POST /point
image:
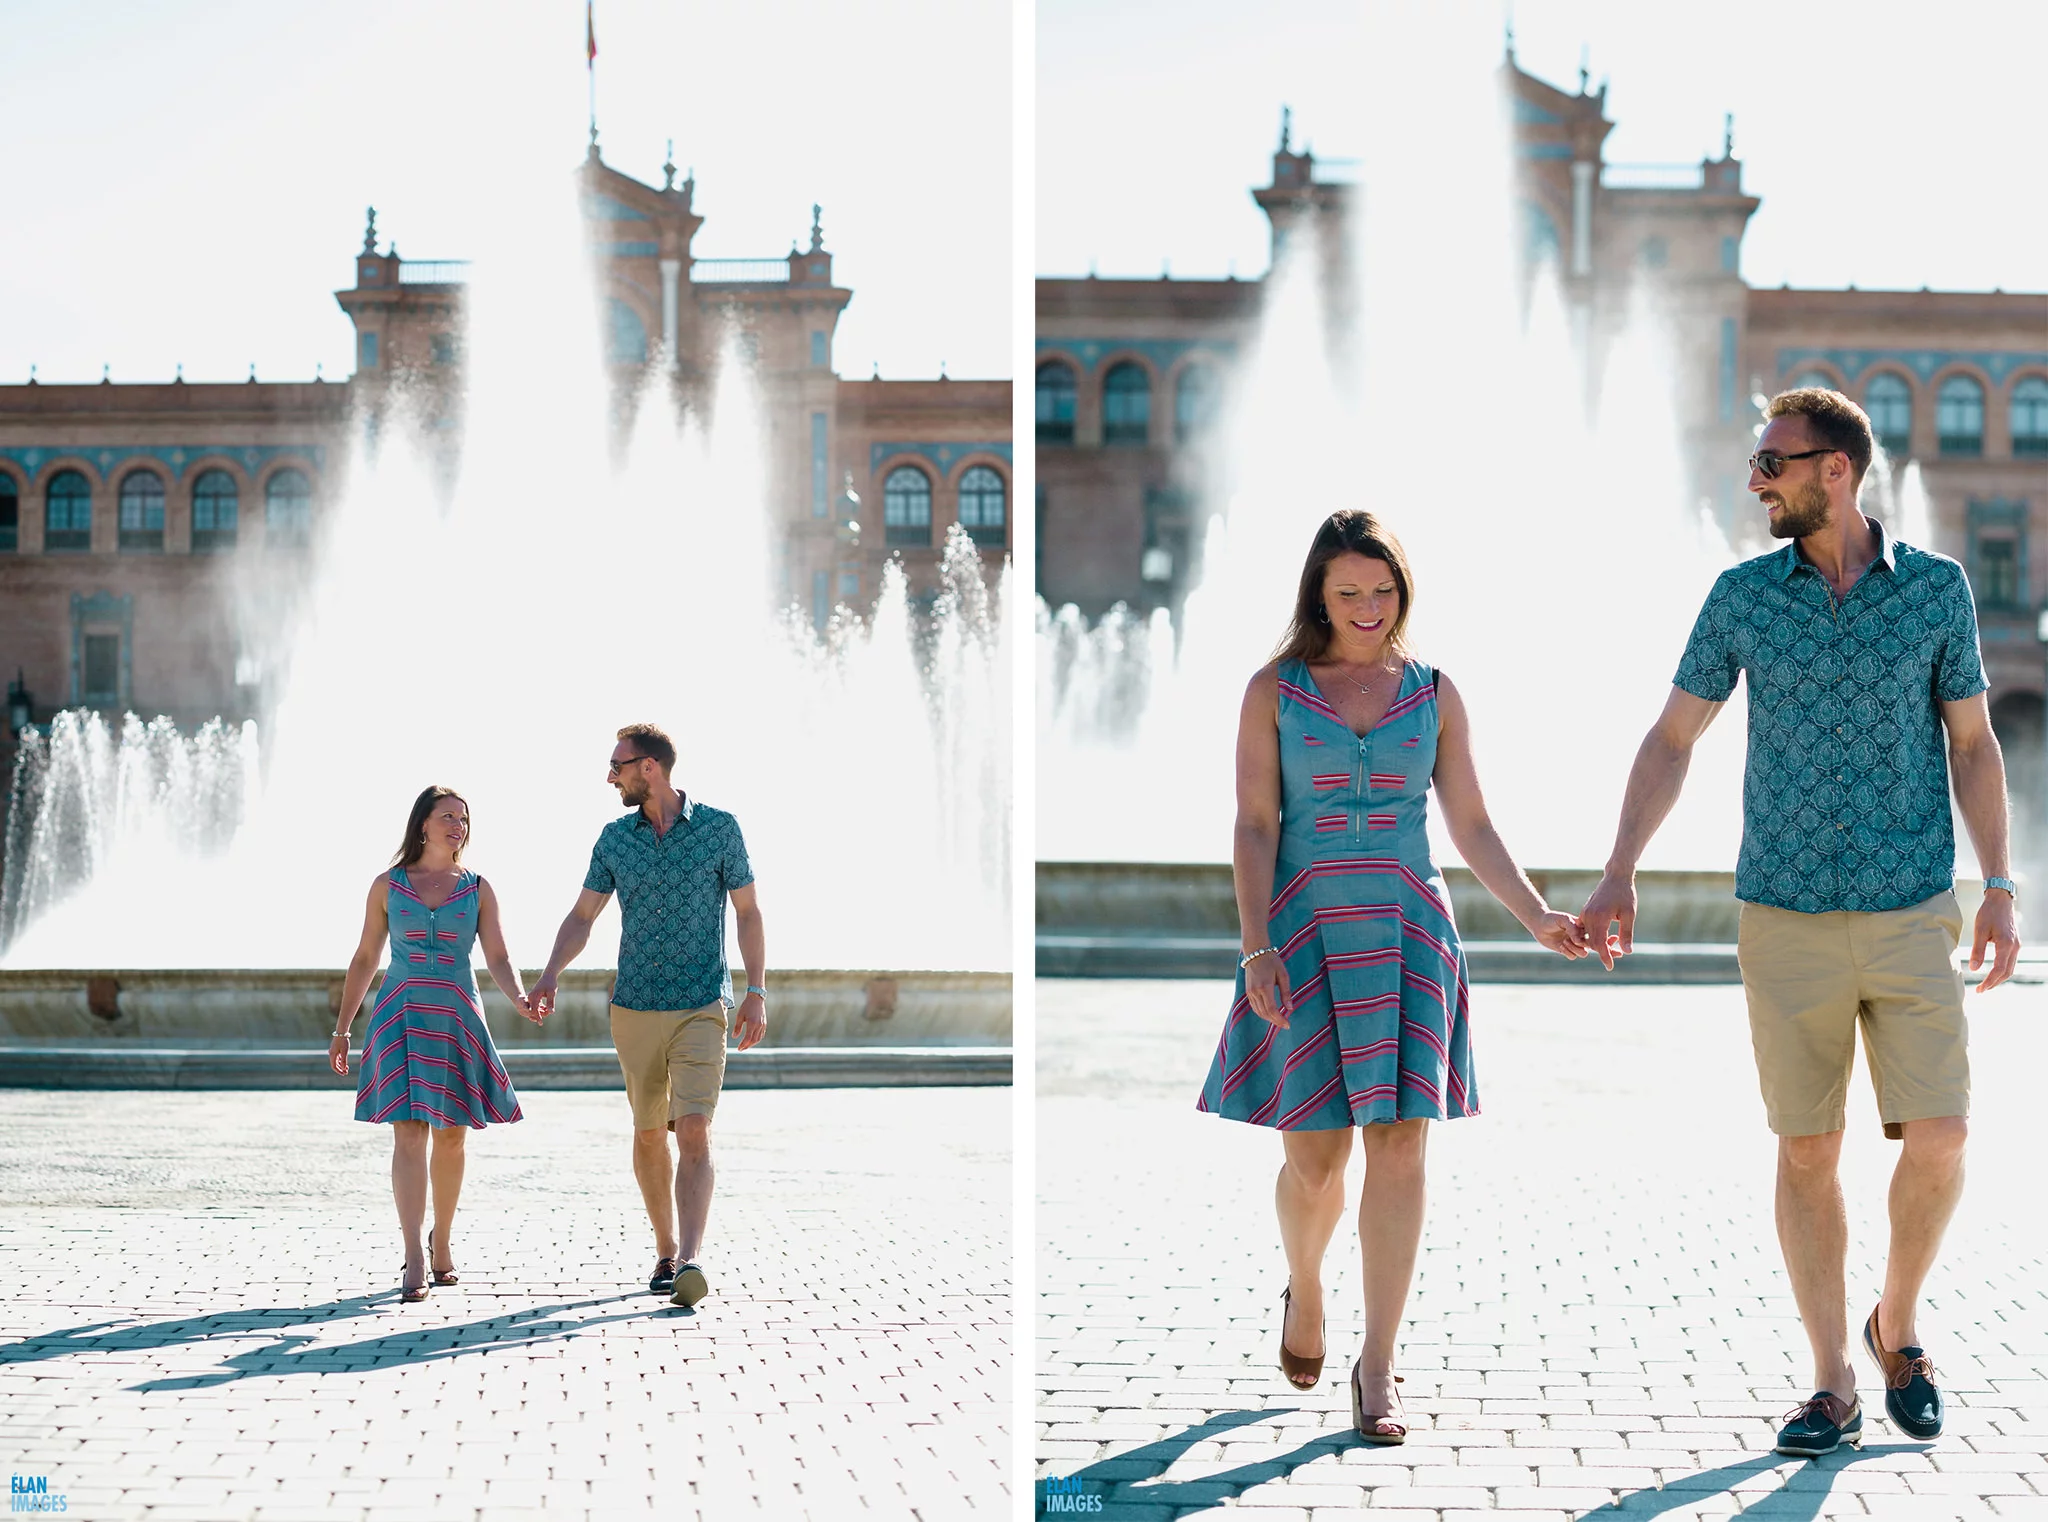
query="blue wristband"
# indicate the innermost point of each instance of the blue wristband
(755, 988)
(2002, 882)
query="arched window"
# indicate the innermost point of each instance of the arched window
(1889, 401)
(67, 512)
(2030, 416)
(1959, 416)
(1127, 405)
(907, 507)
(1056, 403)
(627, 340)
(1820, 378)
(1196, 397)
(216, 512)
(288, 508)
(10, 515)
(982, 506)
(142, 511)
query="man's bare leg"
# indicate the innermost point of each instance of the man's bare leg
(1813, 1232)
(1927, 1184)
(694, 1178)
(654, 1171)
(1309, 1199)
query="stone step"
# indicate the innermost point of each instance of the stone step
(116, 1065)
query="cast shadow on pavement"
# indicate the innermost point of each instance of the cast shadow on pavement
(283, 1356)
(1808, 1484)
(1210, 1490)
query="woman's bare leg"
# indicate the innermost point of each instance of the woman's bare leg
(1309, 1199)
(409, 1191)
(446, 1169)
(1390, 1210)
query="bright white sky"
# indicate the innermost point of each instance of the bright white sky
(1894, 143)
(185, 182)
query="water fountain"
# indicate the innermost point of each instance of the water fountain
(492, 636)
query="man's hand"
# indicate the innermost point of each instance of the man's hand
(1997, 927)
(753, 1021)
(1613, 902)
(541, 999)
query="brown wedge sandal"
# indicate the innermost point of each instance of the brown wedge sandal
(1387, 1430)
(1302, 1373)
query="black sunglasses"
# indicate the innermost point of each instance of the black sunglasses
(1770, 464)
(615, 766)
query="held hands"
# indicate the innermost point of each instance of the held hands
(1267, 987)
(524, 1004)
(337, 1053)
(1997, 927)
(753, 1021)
(1612, 907)
(1557, 931)
(540, 1000)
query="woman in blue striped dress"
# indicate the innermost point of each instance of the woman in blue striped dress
(429, 1066)
(1351, 1004)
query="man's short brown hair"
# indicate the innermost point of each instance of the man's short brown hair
(652, 742)
(1836, 422)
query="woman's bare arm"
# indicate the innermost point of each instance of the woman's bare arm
(490, 935)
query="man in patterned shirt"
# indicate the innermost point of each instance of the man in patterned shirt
(673, 862)
(1859, 652)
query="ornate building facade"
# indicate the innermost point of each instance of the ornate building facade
(153, 536)
(1128, 372)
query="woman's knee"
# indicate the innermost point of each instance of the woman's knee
(450, 1138)
(409, 1135)
(1317, 1166)
(1399, 1147)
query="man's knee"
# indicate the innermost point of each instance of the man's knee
(1935, 1143)
(693, 1137)
(1809, 1158)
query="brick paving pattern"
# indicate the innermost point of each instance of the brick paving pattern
(1601, 1325)
(202, 1318)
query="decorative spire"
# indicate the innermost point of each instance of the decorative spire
(1728, 137)
(817, 228)
(1287, 129)
(1585, 74)
(1511, 37)
(370, 232)
(668, 167)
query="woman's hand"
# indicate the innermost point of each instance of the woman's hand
(524, 1004)
(1559, 932)
(1265, 984)
(337, 1053)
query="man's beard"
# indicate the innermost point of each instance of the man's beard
(633, 797)
(1803, 513)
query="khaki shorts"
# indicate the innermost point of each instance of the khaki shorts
(673, 1059)
(1811, 977)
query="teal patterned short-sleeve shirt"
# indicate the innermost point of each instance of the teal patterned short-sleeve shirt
(1845, 796)
(671, 904)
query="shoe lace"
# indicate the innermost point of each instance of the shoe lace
(1903, 1375)
(1831, 1409)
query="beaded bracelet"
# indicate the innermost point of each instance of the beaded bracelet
(1263, 951)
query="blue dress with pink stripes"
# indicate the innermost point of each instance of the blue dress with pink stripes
(427, 1054)
(1379, 1029)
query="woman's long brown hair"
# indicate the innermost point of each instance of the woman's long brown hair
(416, 827)
(1349, 530)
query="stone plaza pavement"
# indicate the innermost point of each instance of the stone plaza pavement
(1601, 1326)
(202, 1317)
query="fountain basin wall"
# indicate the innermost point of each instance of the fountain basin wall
(1179, 920)
(265, 1008)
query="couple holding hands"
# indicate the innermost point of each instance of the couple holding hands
(430, 1068)
(1866, 690)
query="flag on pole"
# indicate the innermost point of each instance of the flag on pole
(590, 30)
